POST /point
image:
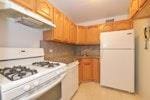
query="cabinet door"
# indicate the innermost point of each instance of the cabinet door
(96, 70)
(134, 7)
(92, 36)
(66, 29)
(141, 2)
(30, 4)
(81, 35)
(73, 32)
(106, 27)
(87, 74)
(44, 8)
(58, 21)
(122, 25)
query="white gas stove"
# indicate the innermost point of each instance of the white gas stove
(24, 75)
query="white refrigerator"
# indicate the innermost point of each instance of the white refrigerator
(117, 50)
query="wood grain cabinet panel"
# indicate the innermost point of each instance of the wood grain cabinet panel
(89, 70)
(122, 25)
(44, 8)
(30, 4)
(73, 33)
(139, 9)
(66, 29)
(106, 27)
(96, 70)
(93, 35)
(81, 35)
(141, 2)
(134, 7)
(55, 34)
(58, 21)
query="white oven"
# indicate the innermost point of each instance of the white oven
(24, 75)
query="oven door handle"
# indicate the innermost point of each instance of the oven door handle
(44, 90)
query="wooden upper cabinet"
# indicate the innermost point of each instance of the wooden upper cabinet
(55, 34)
(81, 35)
(144, 10)
(73, 33)
(141, 2)
(116, 26)
(122, 25)
(44, 8)
(93, 34)
(134, 7)
(66, 27)
(58, 21)
(30, 4)
(106, 27)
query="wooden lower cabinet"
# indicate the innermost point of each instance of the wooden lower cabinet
(96, 70)
(89, 70)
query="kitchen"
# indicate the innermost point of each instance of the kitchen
(77, 58)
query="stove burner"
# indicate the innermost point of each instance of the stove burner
(45, 64)
(17, 72)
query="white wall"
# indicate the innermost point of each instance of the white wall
(13, 34)
(100, 21)
(142, 60)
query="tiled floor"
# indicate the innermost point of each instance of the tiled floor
(93, 91)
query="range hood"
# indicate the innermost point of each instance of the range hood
(24, 16)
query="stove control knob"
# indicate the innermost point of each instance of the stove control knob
(36, 83)
(27, 88)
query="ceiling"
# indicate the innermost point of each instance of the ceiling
(87, 10)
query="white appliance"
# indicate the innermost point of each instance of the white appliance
(117, 60)
(70, 83)
(24, 75)
(23, 15)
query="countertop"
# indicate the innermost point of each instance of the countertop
(87, 57)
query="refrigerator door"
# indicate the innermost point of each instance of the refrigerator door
(117, 69)
(117, 40)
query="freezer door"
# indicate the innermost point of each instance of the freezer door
(117, 69)
(117, 40)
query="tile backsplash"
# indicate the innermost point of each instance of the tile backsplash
(88, 50)
(67, 53)
(58, 51)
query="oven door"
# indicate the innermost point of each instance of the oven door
(50, 90)
(52, 94)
